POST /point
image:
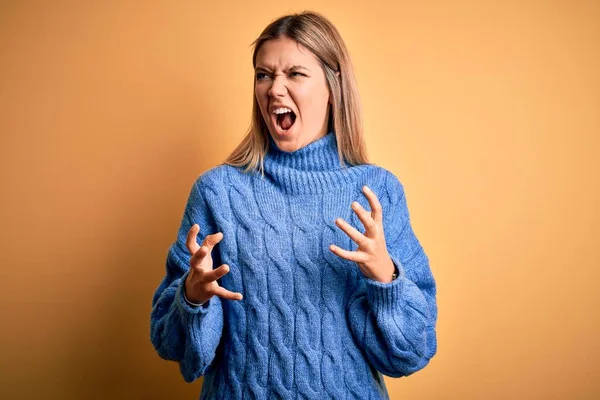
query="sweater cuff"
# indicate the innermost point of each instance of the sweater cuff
(385, 297)
(184, 305)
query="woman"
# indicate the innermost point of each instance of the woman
(320, 285)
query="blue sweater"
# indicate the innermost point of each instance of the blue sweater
(310, 324)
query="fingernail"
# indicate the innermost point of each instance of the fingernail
(366, 188)
(332, 247)
(354, 205)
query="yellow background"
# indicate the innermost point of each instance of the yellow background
(488, 112)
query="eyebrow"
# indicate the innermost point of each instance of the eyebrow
(293, 67)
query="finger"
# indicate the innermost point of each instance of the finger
(355, 256)
(226, 294)
(217, 273)
(212, 240)
(376, 211)
(352, 232)
(191, 242)
(198, 257)
(364, 216)
(207, 245)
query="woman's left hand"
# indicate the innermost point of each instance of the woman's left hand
(371, 256)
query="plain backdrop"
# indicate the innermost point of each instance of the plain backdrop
(487, 111)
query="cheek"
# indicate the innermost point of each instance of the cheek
(311, 99)
(316, 102)
(261, 98)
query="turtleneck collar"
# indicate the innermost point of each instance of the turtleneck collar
(313, 168)
(320, 155)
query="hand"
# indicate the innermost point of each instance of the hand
(371, 256)
(201, 283)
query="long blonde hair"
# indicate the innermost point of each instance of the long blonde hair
(317, 34)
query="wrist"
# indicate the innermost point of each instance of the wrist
(391, 273)
(188, 301)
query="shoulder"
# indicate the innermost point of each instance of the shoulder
(216, 178)
(385, 182)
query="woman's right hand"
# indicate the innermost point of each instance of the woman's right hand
(201, 283)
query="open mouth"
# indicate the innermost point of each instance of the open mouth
(285, 119)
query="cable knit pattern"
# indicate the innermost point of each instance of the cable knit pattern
(310, 326)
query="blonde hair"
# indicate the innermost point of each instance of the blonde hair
(318, 35)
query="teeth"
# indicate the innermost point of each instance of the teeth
(282, 110)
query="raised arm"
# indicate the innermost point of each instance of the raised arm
(179, 331)
(395, 322)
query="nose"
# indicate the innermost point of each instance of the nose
(278, 88)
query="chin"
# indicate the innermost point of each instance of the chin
(287, 141)
(286, 145)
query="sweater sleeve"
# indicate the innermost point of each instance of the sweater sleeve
(395, 322)
(180, 332)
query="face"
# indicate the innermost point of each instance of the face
(292, 93)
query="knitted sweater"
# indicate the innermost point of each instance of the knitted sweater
(310, 325)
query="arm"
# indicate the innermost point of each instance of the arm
(395, 322)
(178, 331)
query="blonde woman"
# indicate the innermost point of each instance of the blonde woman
(296, 273)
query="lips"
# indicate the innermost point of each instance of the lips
(283, 120)
(287, 119)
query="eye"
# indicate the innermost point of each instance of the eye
(296, 73)
(261, 76)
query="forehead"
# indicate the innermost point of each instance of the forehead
(284, 52)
